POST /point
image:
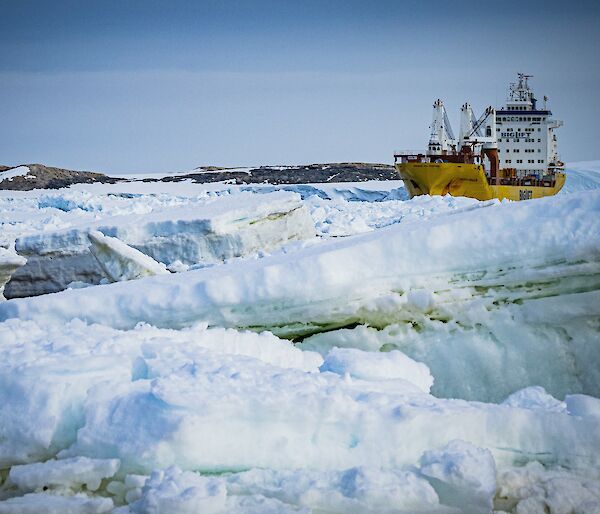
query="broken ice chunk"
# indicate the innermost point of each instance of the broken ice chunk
(69, 473)
(120, 261)
(37, 503)
(463, 475)
(583, 405)
(9, 263)
(535, 398)
(172, 490)
(378, 366)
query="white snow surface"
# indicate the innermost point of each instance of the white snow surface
(378, 366)
(68, 472)
(19, 171)
(218, 400)
(151, 396)
(41, 503)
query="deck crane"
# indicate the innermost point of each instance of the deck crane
(478, 136)
(441, 140)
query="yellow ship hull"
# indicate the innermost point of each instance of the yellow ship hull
(432, 178)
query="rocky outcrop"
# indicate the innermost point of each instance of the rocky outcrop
(301, 174)
(48, 177)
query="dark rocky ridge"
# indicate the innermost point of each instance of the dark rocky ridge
(48, 177)
(310, 173)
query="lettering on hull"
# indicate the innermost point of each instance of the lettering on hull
(524, 194)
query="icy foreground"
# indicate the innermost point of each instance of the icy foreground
(489, 285)
(189, 412)
(354, 432)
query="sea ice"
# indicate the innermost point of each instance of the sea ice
(47, 371)
(67, 473)
(359, 490)
(463, 475)
(220, 228)
(120, 261)
(42, 503)
(113, 415)
(517, 314)
(9, 263)
(378, 366)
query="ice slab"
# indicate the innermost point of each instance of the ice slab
(37, 503)
(377, 366)
(463, 475)
(360, 490)
(220, 228)
(67, 473)
(120, 261)
(9, 263)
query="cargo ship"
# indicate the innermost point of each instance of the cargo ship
(509, 153)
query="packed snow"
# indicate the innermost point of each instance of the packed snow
(326, 348)
(19, 171)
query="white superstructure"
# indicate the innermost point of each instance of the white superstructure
(526, 138)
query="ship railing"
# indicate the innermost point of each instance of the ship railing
(401, 156)
(410, 152)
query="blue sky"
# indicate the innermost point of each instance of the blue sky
(162, 86)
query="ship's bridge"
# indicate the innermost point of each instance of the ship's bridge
(526, 141)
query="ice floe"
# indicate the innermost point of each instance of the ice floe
(222, 228)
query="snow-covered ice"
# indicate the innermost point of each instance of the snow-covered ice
(71, 473)
(120, 261)
(219, 228)
(19, 171)
(446, 356)
(9, 263)
(460, 286)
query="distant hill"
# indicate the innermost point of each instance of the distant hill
(40, 176)
(299, 174)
